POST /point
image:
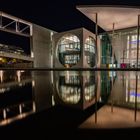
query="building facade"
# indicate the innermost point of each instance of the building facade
(117, 47)
(75, 49)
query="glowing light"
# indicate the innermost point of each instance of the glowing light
(34, 107)
(4, 113)
(53, 101)
(20, 109)
(32, 54)
(33, 83)
(1, 76)
(67, 76)
(19, 76)
(51, 35)
(3, 90)
(134, 94)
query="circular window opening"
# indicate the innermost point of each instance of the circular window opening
(68, 88)
(90, 51)
(69, 50)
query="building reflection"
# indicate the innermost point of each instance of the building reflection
(107, 82)
(23, 93)
(11, 79)
(16, 97)
(43, 90)
(16, 112)
(69, 87)
(76, 89)
(131, 93)
(122, 109)
(126, 90)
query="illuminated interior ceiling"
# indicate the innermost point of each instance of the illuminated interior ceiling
(123, 17)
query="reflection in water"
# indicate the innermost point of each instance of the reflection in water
(69, 87)
(113, 96)
(107, 82)
(126, 90)
(3, 90)
(16, 98)
(119, 118)
(10, 79)
(123, 102)
(89, 86)
(16, 112)
(1, 76)
(77, 89)
(19, 75)
(23, 93)
(133, 88)
(89, 92)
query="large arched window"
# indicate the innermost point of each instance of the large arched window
(90, 51)
(69, 50)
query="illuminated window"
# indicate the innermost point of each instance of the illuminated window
(90, 51)
(69, 50)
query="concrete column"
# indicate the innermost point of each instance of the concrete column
(42, 47)
(138, 33)
(130, 49)
(96, 35)
(113, 43)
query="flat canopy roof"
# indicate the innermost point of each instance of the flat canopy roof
(122, 17)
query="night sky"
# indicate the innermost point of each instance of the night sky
(58, 15)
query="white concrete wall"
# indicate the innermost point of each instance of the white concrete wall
(42, 47)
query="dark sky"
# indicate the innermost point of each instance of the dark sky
(58, 15)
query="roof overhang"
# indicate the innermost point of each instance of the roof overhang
(122, 17)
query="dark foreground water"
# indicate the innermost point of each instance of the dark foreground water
(72, 103)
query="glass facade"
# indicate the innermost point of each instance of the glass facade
(69, 50)
(130, 53)
(106, 49)
(90, 51)
(125, 48)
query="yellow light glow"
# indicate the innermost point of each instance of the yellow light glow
(1, 76)
(19, 76)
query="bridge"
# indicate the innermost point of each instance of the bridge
(21, 27)
(14, 25)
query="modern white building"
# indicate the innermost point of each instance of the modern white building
(117, 47)
(75, 48)
(121, 25)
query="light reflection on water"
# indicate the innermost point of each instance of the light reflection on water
(75, 89)
(23, 93)
(16, 97)
(122, 109)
